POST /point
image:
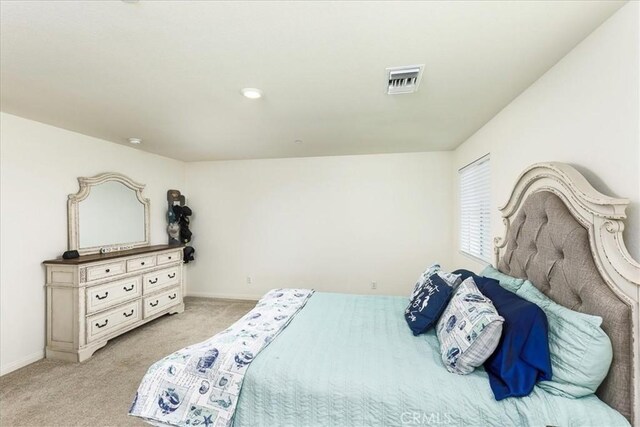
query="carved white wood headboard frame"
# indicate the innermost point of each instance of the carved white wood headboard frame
(603, 217)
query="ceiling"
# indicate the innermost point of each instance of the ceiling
(170, 72)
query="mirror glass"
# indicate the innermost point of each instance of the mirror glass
(110, 215)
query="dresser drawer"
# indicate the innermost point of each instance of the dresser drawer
(105, 270)
(160, 279)
(169, 257)
(141, 263)
(110, 294)
(113, 320)
(159, 302)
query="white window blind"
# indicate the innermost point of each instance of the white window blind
(475, 209)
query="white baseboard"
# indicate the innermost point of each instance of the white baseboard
(243, 297)
(13, 366)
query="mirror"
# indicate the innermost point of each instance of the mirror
(108, 213)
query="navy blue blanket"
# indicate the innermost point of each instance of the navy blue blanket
(522, 356)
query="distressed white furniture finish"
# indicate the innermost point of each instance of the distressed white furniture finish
(94, 298)
(86, 183)
(603, 217)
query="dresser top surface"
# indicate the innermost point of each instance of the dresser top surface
(84, 259)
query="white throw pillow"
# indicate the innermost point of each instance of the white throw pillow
(469, 329)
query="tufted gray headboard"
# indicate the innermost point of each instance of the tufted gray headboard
(552, 241)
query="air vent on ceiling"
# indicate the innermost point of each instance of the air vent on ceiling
(403, 79)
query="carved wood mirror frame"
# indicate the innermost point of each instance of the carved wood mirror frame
(86, 183)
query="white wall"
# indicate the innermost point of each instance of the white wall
(331, 223)
(39, 166)
(584, 111)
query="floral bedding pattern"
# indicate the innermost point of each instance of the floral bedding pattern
(200, 384)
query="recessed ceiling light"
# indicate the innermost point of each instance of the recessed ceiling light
(134, 140)
(251, 93)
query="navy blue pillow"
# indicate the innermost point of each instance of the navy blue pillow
(427, 305)
(522, 357)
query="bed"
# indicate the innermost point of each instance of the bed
(347, 360)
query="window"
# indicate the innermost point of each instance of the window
(475, 209)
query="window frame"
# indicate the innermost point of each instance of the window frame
(484, 214)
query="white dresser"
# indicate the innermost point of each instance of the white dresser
(94, 298)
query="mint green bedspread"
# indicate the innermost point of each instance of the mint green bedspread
(348, 360)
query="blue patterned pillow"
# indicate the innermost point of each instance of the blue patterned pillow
(522, 357)
(427, 304)
(451, 279)
(469, 329)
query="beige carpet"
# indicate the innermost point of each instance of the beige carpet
(98, 392)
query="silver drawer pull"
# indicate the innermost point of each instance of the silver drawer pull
(106, 294)
(128, 315)
(171, 276)
(129, 288)
(98, 325)
(152, 304)
(173, 297)
(153, 281)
